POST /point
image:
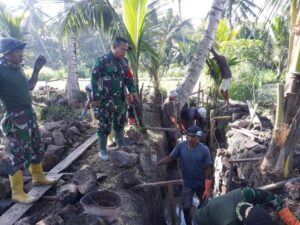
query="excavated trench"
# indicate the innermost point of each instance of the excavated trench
(145, 205)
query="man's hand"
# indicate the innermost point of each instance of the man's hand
(39, 63)
(206, 193)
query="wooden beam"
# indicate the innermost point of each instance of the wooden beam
(157, 184)
(223, 117)
(172, 204)
(244, 160)
(14, 213)
(160, 128)
(279, 184)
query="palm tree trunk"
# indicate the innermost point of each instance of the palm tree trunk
(186, 87)
(72, 88)
(289, 134)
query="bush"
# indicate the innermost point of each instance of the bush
(47, 73)
(248, 82)
(55, 113)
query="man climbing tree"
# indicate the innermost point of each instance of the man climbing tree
(225, 73)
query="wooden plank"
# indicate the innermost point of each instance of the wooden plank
(14, 213)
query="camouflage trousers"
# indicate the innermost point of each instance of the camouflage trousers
(110, 117)
(23, 139)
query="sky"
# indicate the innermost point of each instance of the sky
(191, 9)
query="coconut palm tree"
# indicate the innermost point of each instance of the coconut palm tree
(286, 134)
(188, 83)
(237, 10)
(11, 25)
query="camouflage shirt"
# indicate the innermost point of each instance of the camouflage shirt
(110, 77)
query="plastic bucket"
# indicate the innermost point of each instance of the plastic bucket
(101, 203)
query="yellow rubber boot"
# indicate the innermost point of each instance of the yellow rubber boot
(38, 176)
(17, 189)
(94, 121)
(110, 137)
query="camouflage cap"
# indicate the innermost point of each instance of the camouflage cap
(9, 44)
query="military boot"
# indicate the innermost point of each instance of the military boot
(102, 148)
(119, 136)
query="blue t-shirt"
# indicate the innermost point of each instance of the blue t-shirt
(193, 163)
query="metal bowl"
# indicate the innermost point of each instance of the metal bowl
(101, 203)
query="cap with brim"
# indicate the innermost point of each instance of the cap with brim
(9, 44)
(194, 131)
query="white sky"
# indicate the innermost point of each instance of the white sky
(191, 9)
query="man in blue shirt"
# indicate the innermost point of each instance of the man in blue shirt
(196, 164)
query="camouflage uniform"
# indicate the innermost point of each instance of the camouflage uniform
(19, 125)
(110, 77)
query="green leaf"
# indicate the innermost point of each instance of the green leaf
(134, 12)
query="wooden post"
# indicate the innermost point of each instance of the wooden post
(47, 89)
(172, 204)
(198, 95)
(212, 132)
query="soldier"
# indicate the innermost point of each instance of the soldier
(243, 206)
(19, 125)
(110, 77)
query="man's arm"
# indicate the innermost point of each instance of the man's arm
(208, 175)
(167, 159)
(268, 199)
(96, 74)
(129, 82)
(38, 65)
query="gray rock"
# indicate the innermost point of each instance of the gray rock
(59, 138)
(128, 179)
(52, 219)
(4, 164)
(50, 160)
(57, 150)
(86, 179)
(75, 130)
(100, 177)
(68, 194)
(87, 219)
(123, 159)
(50, 126)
